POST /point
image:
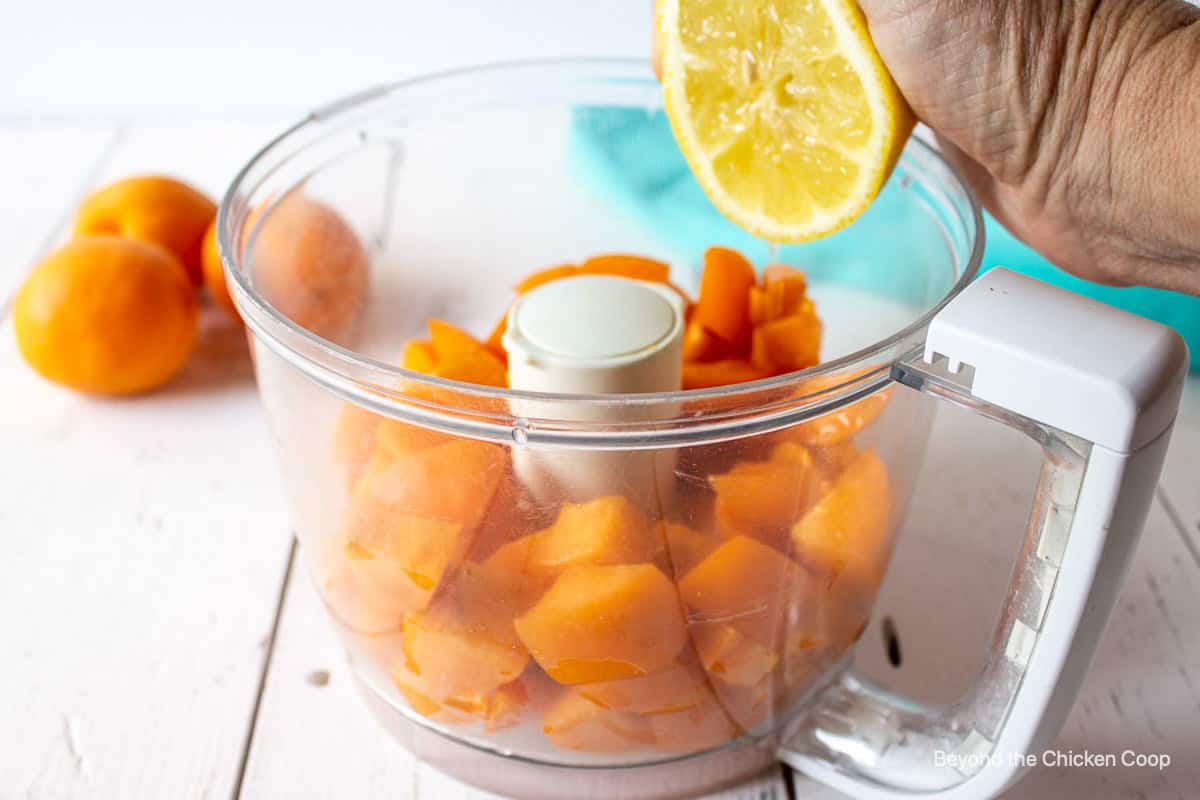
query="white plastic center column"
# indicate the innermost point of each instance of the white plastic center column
(595, 334)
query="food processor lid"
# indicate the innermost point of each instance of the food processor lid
(596, 334)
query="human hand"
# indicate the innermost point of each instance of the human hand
(1075, 122)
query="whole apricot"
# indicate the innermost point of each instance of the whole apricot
(152, 208)
(214, 274)
(107, 315)
(308, 262)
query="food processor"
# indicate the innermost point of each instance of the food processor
(590, 583)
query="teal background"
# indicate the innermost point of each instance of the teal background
(631, 158)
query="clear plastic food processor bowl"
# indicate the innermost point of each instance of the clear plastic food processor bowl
(659, 636)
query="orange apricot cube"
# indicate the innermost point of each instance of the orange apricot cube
(785, 289)
(686, 547)
(677, 688)
(402, 556)
(638, 268)
(847, 530)
(750, 706)
(692, 730)
(354, 440)
(419, 356)
(504, 706)
(423, 704)
(730, 656)
(839, 426)
(412, 517)
(364, 602)
(757, 306)
(482, 367)
(759, 357)
(707, 374)
(453, 481)
(700, 344)
(449, 342)
(463, 644)
(723, 304)
(746, 584)
(791, 343)
(573, 722)
(762, 498)
(509, 518)
(607, 530)
(603, 623)
(395, 439)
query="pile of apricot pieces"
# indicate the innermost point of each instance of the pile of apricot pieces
(609, 626)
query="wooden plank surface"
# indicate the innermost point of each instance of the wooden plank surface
(145, 543)
(44, 168)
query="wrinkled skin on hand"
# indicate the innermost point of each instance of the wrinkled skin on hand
(1076, 122)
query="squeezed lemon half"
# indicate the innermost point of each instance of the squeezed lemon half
(784, 110)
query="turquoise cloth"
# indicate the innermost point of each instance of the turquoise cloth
(630, 157)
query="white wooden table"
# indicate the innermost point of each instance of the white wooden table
(161, 641)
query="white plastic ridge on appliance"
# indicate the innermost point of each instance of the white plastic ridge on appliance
(1065, 360)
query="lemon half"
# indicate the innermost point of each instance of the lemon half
(786, 114)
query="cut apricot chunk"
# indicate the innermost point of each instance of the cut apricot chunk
(686, 547)
(573, 722)
(402, 556)
(499, 709)
(675, 689)
(746, 584)
(847, 530)
(603, 623)
(419, 356)
(638, 268)
(449, 341)
(757, 306)
(728, 655)
(508, 519)
(464, 643)
(760, 358)
(699, 728)
(505, 706)
(785, 289)
(750, 706)
(705, 375)
(396, 439)
(454, 481)
(700, 344)
(762, 498)
(366, 603)
(412, 518)
(840, 425)
(542, 277)
(495, 339)
(482, 367)
(791, 343)
(607, 530)
(354, 440)
(723, 305)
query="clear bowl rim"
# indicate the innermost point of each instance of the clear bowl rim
(338, 366)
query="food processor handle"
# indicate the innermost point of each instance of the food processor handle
(1098, 389)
